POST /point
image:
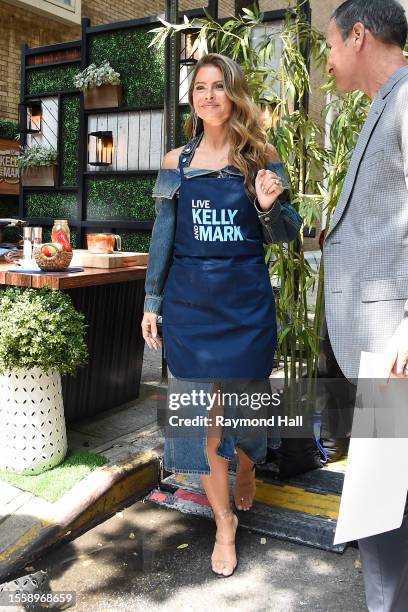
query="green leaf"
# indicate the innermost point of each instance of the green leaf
(40, 328)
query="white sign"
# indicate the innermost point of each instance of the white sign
(376, 480)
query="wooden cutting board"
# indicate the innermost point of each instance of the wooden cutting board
(82, 257)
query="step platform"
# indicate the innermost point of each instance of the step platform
(303, 509)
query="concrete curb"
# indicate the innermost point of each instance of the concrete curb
(39, 525)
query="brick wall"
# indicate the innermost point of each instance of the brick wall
(108, 11)
(18, 26)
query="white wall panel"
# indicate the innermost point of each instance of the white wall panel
(48, 136)
(138, 139)
(133, 141)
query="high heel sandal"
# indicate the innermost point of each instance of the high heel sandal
(242, 498)
(226, 564)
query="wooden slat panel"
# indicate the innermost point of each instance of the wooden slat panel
(50, 122)
(122, 141)
(113, 127)
(48, 136)
(156, 139)
(184, 82)
(138, 139)
(102, 122)
(163, 128)
(144, 148)
(133, 144)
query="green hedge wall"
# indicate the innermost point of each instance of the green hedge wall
(8, 129)
(124, 198)
(70, 106)
(138, 242)
(141, 68)
(48, 80)
(51, 204)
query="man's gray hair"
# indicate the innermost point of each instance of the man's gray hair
(385, 19)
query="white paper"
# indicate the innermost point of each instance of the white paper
(376, 480)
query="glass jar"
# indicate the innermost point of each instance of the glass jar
(60, 224)
(60, 233)
(37, 236)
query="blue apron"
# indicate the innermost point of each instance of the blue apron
(219, 318)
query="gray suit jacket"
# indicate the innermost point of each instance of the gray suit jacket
(366, 248)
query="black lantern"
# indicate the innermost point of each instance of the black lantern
(189, 51)
(100, 148)
(30, 117)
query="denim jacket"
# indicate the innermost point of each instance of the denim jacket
(278, 227)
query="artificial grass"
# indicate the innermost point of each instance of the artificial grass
(52, 485)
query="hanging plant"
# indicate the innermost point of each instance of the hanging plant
(37, 155)
(38, 166)
(100, 85)
(96, 76)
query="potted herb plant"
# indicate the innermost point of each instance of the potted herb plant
(41, 337)
(38, 165)
(100, 85)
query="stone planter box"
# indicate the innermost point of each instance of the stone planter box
(105, 96)
(39, 176)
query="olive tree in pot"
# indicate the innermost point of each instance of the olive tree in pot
(38, 165)
(100, 85)
(41, 337)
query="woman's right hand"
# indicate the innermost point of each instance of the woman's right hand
(149, 330)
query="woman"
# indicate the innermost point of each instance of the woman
(206, 265)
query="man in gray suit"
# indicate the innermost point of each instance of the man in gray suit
(366, 247)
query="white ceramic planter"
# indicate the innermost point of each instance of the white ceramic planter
(33, 436)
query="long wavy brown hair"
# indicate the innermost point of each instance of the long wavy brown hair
(248, 139)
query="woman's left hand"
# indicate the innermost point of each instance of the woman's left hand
(268, 186)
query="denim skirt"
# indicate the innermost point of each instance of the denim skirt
(185, 447)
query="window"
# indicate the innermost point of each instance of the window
(70, 4)
(259, 33)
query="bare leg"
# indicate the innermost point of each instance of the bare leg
(244, 487)
(215, 484)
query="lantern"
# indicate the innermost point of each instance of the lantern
(188, 52)
(30, 117)
(267, 115)
(100, 148)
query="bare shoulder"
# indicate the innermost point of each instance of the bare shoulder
(170, 160)
(271, 154)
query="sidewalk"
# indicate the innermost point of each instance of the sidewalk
(123, 556)
(156, 559)
(130, 440)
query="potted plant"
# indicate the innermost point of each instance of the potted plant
(41, 337)
(38, 165)
(100, 85)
